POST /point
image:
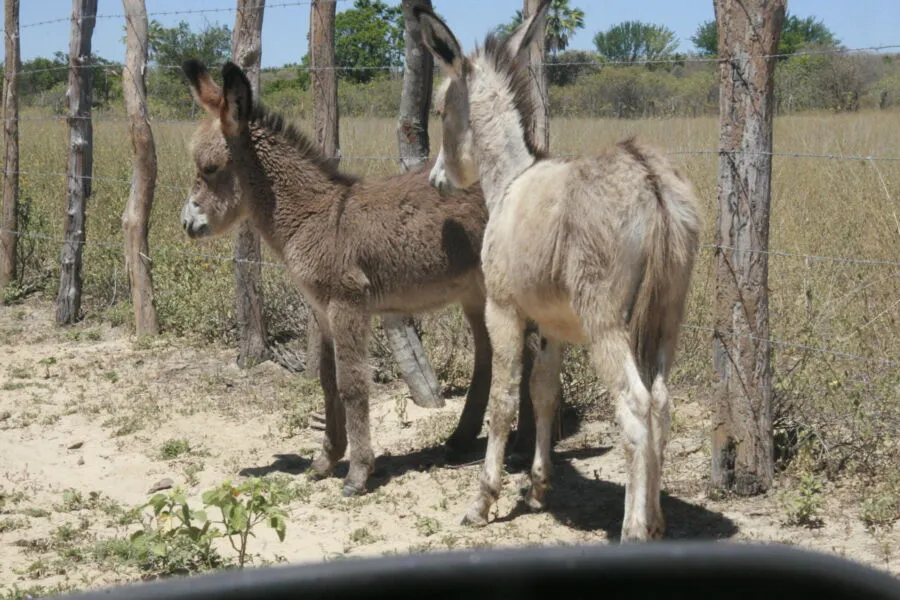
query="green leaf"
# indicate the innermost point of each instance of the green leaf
(238, 518)
(158, 501)
(137, 535)
(159, 549)
(277, 523)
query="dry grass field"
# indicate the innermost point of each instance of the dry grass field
(91, 417)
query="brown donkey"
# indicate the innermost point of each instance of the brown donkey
(355, 249)
(596, 250)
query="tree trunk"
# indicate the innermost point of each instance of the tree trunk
(136, 217)
(325, 124)
(412, 137)
(78, 184)
(742, 437)
(539, 80)
(247, 53)
(415, 99)
(9, 222)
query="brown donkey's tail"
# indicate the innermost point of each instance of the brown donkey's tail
(671, 230)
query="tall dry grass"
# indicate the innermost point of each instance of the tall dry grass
(844, 410)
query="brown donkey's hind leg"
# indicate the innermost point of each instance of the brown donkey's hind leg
(335, 442)
(350, 331)
(472, 417)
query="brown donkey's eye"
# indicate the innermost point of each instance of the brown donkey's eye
(210, 170)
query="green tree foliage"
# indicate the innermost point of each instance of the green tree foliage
(43, 81)
(562, 23)
(796, 34)
(566, 67)
(172, 46)
(634, 41)
(705, 39)
(369, 35)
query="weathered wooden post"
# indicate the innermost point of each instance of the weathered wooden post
(539, 79)
(323, 79)
(415, 99)
(78, 181)
(742, 436)
(246, 52)
(136, 216)
(9, 222)
(412, 137)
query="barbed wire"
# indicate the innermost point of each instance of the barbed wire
(838, 259)
(177, 12)
(232, 259)
(553, 64)
(836, 353)
(859, 261)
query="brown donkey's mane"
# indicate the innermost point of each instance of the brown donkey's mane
(519, 84)
(276, 124)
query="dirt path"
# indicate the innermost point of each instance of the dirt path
(90, 419)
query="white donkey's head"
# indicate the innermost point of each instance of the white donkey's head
(474, 93)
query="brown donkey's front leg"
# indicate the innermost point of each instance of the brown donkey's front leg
(350, 329)
(335, 443)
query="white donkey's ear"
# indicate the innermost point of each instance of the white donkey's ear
(438, 38)
(522, 36)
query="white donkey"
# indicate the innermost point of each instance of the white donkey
(596, 250)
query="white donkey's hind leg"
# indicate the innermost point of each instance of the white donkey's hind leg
(507, 332)
(544, 395)
(660, 423)
(616, 363)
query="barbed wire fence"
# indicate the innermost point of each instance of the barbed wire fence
(889, 362)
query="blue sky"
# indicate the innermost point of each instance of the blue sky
(859, 23)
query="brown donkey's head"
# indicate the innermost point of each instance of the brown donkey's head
(214, 205)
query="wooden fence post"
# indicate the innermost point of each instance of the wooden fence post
(742, 437)
(323, 79)
(246, 53)
(539, 79)
(9, 222)
(78, 184)
(415, 99)
(412, 137)
(136, 216)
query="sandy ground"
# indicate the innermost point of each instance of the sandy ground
(89, 409)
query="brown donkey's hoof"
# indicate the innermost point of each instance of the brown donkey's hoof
(351, 490)
(315, 475)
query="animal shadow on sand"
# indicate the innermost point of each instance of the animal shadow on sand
(576, 501)
(389, 465)
(592, 503)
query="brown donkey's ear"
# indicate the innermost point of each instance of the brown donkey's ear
(438, 38)
(203, 88)
(238, 103)
(522, 36)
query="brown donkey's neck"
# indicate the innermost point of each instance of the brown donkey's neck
(291, 187)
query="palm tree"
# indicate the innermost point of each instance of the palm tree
(562, 22)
